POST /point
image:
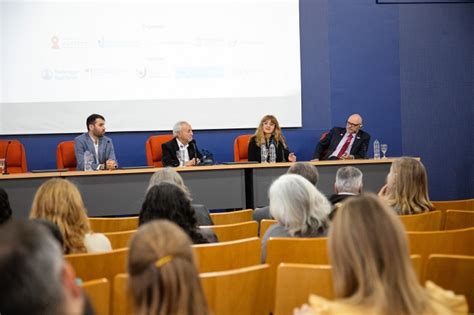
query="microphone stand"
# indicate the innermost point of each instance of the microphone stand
(5, 169)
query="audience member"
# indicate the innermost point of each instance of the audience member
(54, 229)
(168, 174)
(344, 143)
(35, 277)
(181, 150)
(5, 209)
(348, 183)
(171, 202)
(305, 169)
(163, 275)
(59, 201)
(96, 143)
(300, 209)
(268, 133)
(372, 271)
(406, 190)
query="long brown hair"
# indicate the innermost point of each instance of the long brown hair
(163, 275)
(408, 187)
(277, 134)
(59, 201)
(369, 255)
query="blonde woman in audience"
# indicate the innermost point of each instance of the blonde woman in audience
(300, 209)
(163, 275)
(372, 271)
(59, 201)
(406, 190)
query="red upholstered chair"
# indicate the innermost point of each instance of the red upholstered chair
(65, 156)
(241, 147)
(153, 149)
(16, 156)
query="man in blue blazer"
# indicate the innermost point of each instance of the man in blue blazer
(344, 143)
(95, 141)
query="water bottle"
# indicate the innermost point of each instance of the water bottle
(272, 152)
(183, 157)
(88, 158)
(263, 153)
(376, 149)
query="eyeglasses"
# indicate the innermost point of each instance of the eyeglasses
(354, 125)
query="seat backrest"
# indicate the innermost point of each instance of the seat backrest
(241, 147)
(238, 291)
(457, 219)
(232, 217)
(98, 292)
(66, 156)
(99, 265)
(120, 239)
(228, 255)
(16, 156)
(122, 301)
(235, 231)
(465, 204)
(153, 150)
(265, 224)
(428, 221)
(295, 282)
(107, 225)
(453, 272)
(454, 242)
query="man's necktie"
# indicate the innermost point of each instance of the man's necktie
(345, 146)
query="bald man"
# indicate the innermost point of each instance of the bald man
(344, 143)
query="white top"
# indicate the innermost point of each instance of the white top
(341, 143)
(183, 148)
(97, 243)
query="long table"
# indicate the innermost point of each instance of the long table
(239, 186)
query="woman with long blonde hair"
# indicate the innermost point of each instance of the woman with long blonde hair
(59, 201)
(406, 190)
(372, 271)
(163, 275)
(268, 133)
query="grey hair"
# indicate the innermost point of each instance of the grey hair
(168, 174)
(348, 179)
(305, 169)
(298, 205)
(33, 260)
(177, 127)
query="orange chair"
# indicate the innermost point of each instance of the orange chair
(65, 155)
(153, 149)
(16, 156)
(241, 148)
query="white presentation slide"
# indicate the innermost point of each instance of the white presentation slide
(145, 65)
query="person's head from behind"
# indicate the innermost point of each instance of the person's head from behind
(167, 174)
(59, 201)
(298, 205)
(95, 124)
(54, 229)
(35, 277)
(163, 275)
(5, 209)
(348, 180)
(169, 201)
(407, 186)
(183, 131)
(267, 128)
(369, 255)
(305, 169)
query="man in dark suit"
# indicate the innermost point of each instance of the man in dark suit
(181, 150)
(348, 183)
(344, 143)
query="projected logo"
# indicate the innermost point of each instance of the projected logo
(141, 72)
(55, 42)
(47, 74)
(62, 43)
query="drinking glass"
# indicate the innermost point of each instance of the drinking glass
(384, 148)
(2, 166)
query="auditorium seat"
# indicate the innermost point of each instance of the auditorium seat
(232, 217)
(265, 224)
(457, 219)
(465, 204)
(236, 231)
(153, 149)
(108, 225)
(120, 239)
(16, 156)
(241, 147)
(427, 221)
(98, 292)
(122, 300)
(65, 156)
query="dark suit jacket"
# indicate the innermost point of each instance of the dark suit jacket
(254, 152)
(169, 149)
(331, 141)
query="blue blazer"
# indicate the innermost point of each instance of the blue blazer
(84, 143)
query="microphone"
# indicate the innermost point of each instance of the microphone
(5, 169)
(193, 142)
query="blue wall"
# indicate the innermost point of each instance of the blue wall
(407, 68)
